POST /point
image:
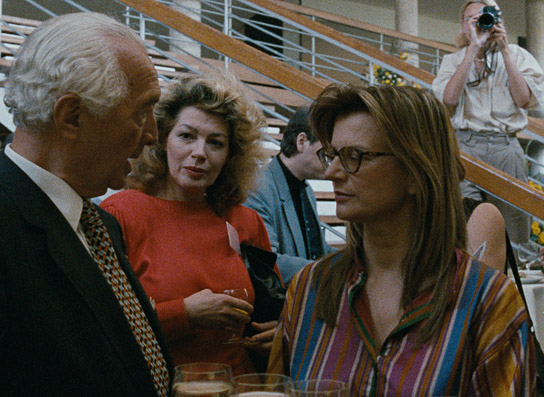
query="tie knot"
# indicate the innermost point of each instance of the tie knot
(90, 218)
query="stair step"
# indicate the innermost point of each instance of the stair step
(268, 95)
(331, 220)
(338, 245)
(324, 196)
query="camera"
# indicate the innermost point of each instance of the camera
(490, 16)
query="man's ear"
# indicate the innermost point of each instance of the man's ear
(302, 139)
(67, 114)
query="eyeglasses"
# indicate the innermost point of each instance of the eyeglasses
(350, 157)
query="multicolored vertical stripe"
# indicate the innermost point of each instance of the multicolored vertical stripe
(483, 348)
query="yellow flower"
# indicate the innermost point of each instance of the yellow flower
(541, 238)
(535, 228)
(535, 185)
(387, 81)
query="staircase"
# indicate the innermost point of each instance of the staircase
(297, 71)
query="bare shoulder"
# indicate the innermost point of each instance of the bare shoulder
(486, 226)
(487, 214)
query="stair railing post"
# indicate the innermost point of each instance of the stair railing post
(436, 63)
(313, 51)
(227, 25)
(142, 26)
(126, 14)
(1, 16)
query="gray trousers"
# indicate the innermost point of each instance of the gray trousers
(504, 153)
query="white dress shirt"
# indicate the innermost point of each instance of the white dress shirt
(489, 106)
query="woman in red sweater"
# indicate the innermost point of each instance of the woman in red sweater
(183, 222)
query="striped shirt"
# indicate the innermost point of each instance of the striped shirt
(484, 346)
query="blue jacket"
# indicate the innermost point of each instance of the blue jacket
(274, 204)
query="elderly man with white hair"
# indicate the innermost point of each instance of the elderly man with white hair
(74, 319)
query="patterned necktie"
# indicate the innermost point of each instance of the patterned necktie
(103, 253)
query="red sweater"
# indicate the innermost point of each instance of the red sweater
(177, 249)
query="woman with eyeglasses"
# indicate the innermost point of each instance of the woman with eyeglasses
(402, 309)
(490, 85)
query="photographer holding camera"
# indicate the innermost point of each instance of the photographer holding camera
(490, 84)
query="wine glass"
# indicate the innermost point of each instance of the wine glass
(239, 293)
(203, 379)
(320, 387)
(527, 255)
(263, 385)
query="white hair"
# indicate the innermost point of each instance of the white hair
(72, 53)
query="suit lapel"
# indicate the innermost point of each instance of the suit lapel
(75, 262)
(116, 234)
(287, 207)
(313, 202)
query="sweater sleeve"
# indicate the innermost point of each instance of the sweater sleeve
(173, 319)
(172, 315)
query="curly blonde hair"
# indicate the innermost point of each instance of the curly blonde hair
(218, 94)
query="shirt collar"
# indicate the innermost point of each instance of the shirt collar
(69, 203)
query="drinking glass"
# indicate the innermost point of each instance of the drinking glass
(263, 385)
(240, 293)
(204, 380)
(320, 387)
(528, 255)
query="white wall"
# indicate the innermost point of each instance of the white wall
(436, 21)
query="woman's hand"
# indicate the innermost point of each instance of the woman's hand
(207, 310)
(261, 342)
(477, 37)
(499, 36)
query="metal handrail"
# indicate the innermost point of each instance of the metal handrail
(319, 65)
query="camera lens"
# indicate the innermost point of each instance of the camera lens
(486, 21)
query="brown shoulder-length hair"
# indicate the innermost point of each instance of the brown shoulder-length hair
(417, 129)
(218, 94)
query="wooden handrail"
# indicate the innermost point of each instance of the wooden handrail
(535, 125)
(346, 40)
(505, 186)
(512, 190)
(365, 26)
(293, 78)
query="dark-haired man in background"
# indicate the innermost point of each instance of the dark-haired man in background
(287, 203)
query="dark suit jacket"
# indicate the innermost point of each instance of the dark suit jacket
(62, 330)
